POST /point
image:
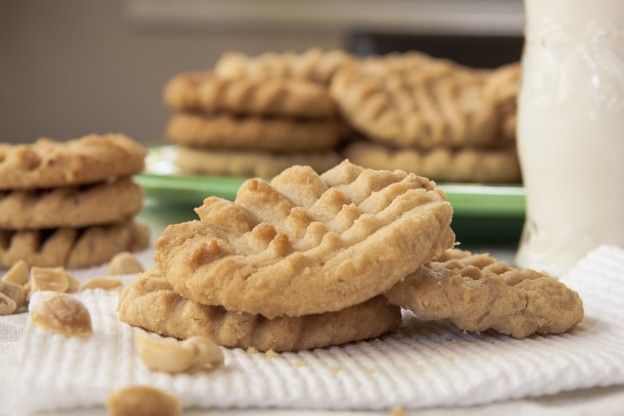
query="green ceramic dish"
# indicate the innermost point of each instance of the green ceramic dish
(483, 213)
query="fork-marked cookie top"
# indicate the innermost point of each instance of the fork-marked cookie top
(89, 159)
(307, 243)
(477, 292)
(250, 96)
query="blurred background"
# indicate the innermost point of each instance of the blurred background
(72, 67)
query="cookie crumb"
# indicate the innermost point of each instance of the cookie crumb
(251, 350)
(271, 354)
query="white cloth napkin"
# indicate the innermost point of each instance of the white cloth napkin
(425, 365)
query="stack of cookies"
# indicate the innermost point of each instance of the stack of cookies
(310, 260)
(70, 204)
(244, 120)
(432, 117)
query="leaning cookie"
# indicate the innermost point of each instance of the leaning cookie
(426, 108)
(248, 163)
(151, 303)
(69, 247)
(71, 206)
(283, 135)
(442, 164)
(47, 163)
(254, 96)
(307, 243)
(476, 293)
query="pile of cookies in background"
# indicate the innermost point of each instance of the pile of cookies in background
(308, 261)
(259, 115)
(245, 122)
(70, 204)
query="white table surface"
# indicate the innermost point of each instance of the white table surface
(597, 401)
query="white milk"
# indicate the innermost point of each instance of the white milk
(571, 130)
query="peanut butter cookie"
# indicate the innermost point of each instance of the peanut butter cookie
(227, 132)
(89, 159)
(253, 96)
(305, 243)
(314, 65)
(248, 163)
(69, 247)
(430, 106)
(70, 206)
(476, 292)
(442, 164)
(152, 304)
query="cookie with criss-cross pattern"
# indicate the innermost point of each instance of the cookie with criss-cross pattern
(205, 91)
(89, 159)
(476, 292)
(314, 65)
(307, 243)
(407, 102)
(151, 303)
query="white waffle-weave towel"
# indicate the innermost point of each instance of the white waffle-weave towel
(429, 365)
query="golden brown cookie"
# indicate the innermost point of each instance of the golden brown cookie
(426, 107)
(71, 248)
(314, 65)
(305, 243)
(47, 163)
(225, 132)
(152, 304)
(248, 163)
(477, 292)
(72, 206)
(251, 96)
(503, 87)
(442, 164)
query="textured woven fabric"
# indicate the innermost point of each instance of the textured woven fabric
(423, 366)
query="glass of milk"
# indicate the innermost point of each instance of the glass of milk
(571, 130)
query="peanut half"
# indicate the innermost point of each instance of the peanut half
(173, 356)
(18, 274)
(15, 292)
(52, 279)
(63, 314)
(124, 263)
(7, 305)
(142, 401)
(105, 283)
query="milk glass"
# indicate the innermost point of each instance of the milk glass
(571, 130)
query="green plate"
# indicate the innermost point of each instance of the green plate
(482, 213)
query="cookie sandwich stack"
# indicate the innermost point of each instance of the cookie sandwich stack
(238, 122)
(432, 117)
(70, 204)
(311, 260)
